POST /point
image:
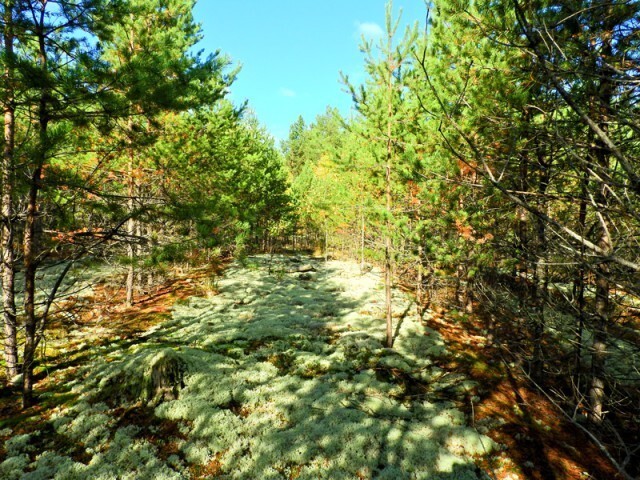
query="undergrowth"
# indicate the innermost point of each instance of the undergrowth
(278, 377)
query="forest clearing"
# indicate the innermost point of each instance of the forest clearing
(277, 370)
(440, 280)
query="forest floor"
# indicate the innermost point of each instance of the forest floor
(277, 369)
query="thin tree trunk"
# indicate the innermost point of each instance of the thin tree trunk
(579, 288)
(362, 239)
(389, 200)
(130, 283)
(462, 284)
(541, 278)
(523, 227)
(6, 234)
(131, 225)
(150, 272)
(326, 241)
(31, 219)
(419, 280)
(597, 395)
(30, 267)
(138, 250)
(387, 288)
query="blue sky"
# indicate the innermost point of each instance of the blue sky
(292, 51)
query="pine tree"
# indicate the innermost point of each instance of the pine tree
(59, 78)
(7, 186)
(380, 102)
(150, 50)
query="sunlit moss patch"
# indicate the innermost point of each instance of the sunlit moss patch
(275, 377)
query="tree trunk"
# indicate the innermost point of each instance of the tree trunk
(602, 103)
(131, 224)
(150, 271)
(540, 282)
(30, 232)
(6, 234)
(326, 241)
(523, 253)
(138, 252)
(130, 283)
(579, 287)
(387, 289)
(597, 394)
(388, 198)
(419, 280)
(463, 293)
(362, 239)
(30, 268)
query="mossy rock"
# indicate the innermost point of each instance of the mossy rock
(164, 378)
(150, 376)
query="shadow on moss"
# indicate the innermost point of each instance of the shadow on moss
(277, 378)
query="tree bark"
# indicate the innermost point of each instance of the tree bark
(30, 244)
(138, 252)
(326, 241)
(6, 234)
(601, 153)
(540, 284)
(362, 227)
(580, 284)
(131, 224)
(388, 197)
(419, 281)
